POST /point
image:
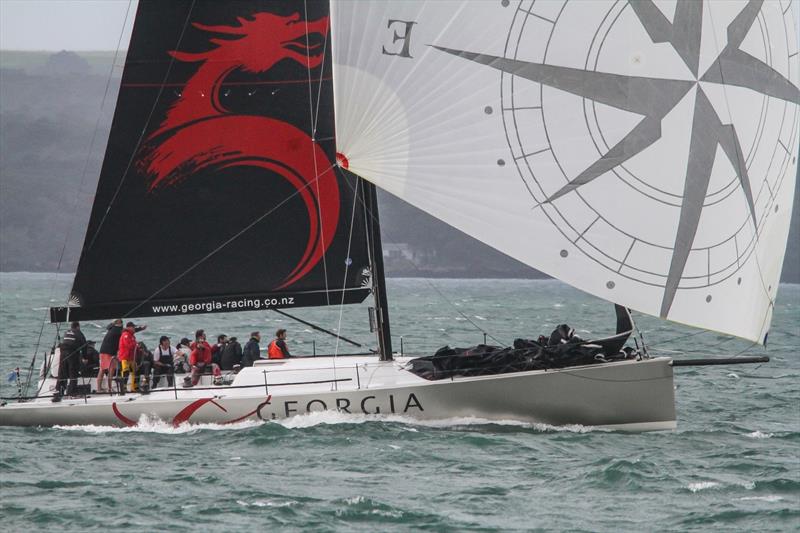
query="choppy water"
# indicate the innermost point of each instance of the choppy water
(733, 463)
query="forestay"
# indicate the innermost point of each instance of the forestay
(643, 152)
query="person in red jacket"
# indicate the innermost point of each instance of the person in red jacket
(200, 358)
(127, 355)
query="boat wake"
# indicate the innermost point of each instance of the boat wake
(153, 425)
(309, 420)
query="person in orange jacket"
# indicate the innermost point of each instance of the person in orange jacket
(277, 348)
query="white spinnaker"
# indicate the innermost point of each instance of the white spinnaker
(480, 145)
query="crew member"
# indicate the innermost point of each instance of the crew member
(73, 349)
(277, 348)
(216, 350)
(231, 355)
(200, 358)
(108, 352)
(163, 361)
(127, 355)
(252, 351)
(89, 360)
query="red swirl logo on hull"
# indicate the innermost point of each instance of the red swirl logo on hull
(199, 133)
(186, 413)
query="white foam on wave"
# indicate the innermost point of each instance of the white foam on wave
(767, 498)
(152, 425)
(759, 435)
(316, 418)
(702, 485)
(266, 503)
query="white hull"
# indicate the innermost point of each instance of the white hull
(629, 395)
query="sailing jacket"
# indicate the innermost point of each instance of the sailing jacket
(110, 343)
(231, 355)
(252, 352)
(73, 342)
(278, 349)
(201, 353)
(127, 345)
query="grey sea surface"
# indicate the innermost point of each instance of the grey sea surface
(733, 464)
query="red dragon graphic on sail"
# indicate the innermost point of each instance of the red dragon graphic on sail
(198, 133)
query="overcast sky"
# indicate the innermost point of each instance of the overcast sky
(64, 24)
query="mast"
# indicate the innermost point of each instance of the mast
(378, 275)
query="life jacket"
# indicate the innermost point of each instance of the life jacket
(274, 351)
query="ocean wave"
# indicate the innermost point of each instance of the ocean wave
(767, 498)
(760, 435)
(703, 485)
(360, 505)
(267, 503)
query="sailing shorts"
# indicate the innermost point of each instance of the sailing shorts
(105, 361)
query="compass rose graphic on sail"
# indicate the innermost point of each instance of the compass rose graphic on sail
(653, 99)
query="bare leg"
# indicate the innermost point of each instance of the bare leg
(112, 371)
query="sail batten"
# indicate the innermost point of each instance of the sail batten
(645, 159)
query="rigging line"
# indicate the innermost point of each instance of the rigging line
(144, 128)
(314, 326)
(313, 154)
(83, 175)
(346, 269)
(368, 213)
(94, 133)
(737, 354)
(225, 243)
(321, 77)
(678, 338)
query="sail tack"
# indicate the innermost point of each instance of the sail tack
(643, 152)
(219, 190)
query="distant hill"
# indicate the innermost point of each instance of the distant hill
(50, 105)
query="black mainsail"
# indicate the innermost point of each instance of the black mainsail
(218, 191)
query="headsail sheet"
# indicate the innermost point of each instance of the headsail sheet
(644, 152)
(219, 190)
